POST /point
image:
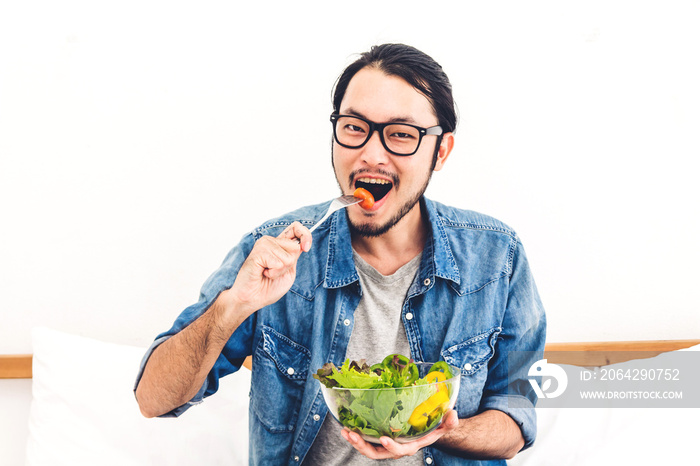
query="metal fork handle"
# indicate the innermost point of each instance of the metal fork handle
(323, 219)
(337, 204)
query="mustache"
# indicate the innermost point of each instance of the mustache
(363, 172)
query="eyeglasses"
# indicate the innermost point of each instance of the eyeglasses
(398, 138)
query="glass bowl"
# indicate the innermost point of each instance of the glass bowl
(403, 414)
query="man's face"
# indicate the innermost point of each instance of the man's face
(396, 182)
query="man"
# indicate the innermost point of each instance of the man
(407, 276)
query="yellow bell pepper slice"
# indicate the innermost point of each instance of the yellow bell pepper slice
(439, 400)
(437, 376)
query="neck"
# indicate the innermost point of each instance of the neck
(390, 251)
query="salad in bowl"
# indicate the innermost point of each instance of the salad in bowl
(397, 398)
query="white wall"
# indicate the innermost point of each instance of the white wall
(139, 140)
(133, 134)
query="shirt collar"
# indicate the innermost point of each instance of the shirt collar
(437, 255)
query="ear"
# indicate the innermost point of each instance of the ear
(446, 145)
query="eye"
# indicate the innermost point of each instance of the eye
(354, 128)
(400, 135)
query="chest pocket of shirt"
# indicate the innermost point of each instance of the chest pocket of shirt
(280, 368)
(472, 356)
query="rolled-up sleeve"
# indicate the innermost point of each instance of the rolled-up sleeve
(198, 398)
(520, 409)
(238, 346)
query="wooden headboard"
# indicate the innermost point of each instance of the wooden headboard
(19, 366)
(590, 354)
(15, 366)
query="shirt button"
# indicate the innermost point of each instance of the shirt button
(317, 417)
(428, 460)
(346, 322)
(426, 282)
(467, 367)
(290, 371)
(296, 458)
(409, 316)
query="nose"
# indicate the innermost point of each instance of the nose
(373, 152)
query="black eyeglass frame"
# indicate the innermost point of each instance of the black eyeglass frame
(379, 127)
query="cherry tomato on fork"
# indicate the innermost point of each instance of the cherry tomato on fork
(368, 201)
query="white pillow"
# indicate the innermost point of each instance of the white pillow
(84, 412)
(613, 436)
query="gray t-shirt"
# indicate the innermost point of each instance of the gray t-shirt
(377, 332)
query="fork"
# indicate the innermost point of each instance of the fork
(338, 203)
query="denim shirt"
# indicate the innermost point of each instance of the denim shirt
(472, 302)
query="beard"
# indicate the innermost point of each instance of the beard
(369, 230)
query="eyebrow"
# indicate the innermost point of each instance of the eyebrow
(400, 119)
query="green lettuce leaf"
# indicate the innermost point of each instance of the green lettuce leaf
(374, 412)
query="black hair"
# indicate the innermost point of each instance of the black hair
(413, 66)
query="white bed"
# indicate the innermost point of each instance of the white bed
(83, 413)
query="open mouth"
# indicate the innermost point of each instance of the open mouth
(378, 187)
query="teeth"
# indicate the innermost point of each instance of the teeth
(373, 181)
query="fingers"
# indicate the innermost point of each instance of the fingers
(269, 270)
(450, 421)
(388, 448)
(376, 452)
(392, 449)
(276, 255)
(297, 231)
